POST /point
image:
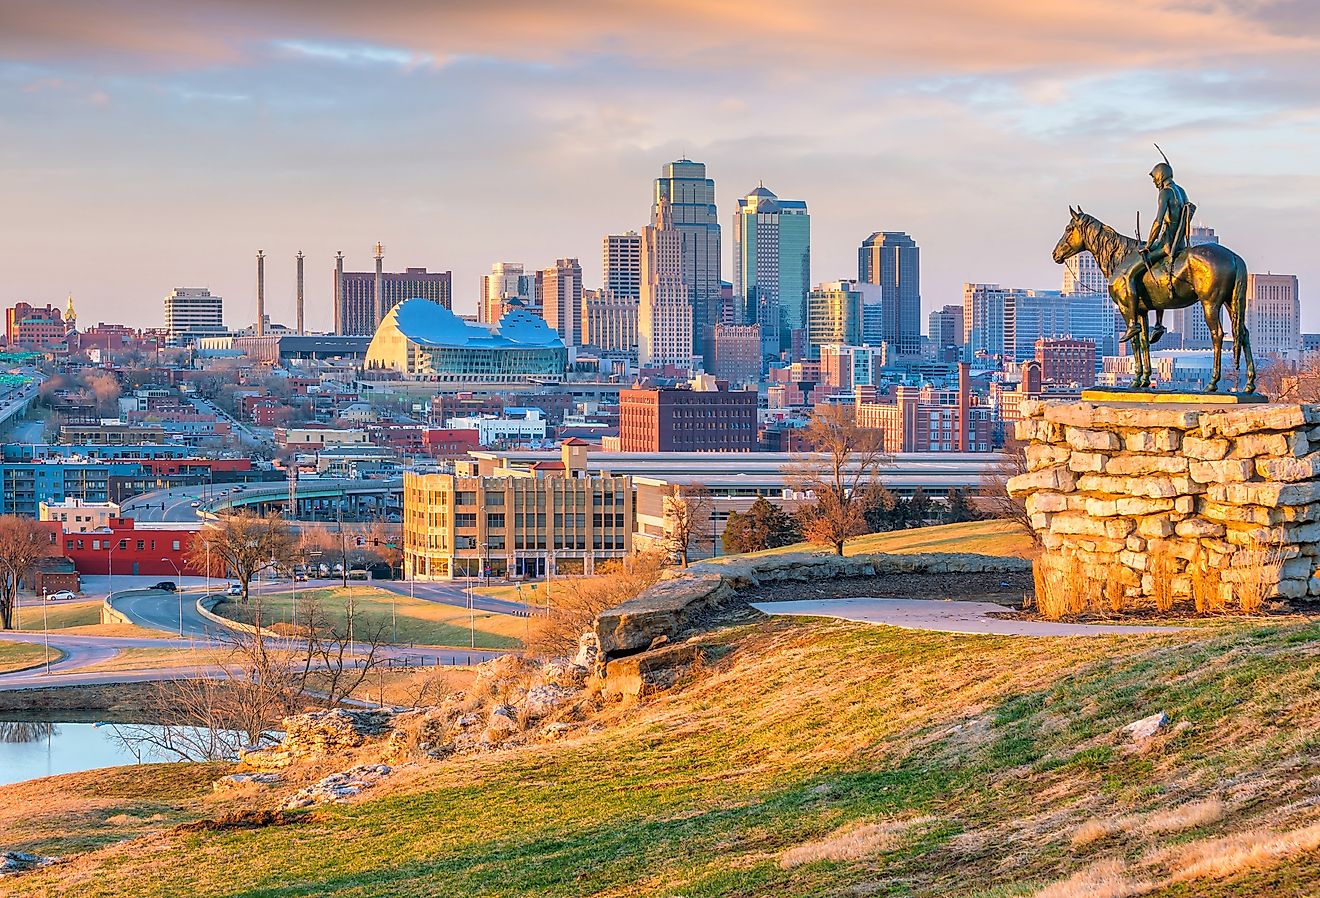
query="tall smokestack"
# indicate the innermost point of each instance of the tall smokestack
(339, 289)
(301, 330)
(377, 297)
(261, 293)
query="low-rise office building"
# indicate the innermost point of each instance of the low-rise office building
(553, 517)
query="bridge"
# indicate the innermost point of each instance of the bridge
(314, 500)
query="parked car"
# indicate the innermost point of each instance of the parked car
(233, 589)
(62, 595)
(167, 586)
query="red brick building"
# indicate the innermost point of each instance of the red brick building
(39, 322)
(124, 548)
(444, 442)
(1064, 360)
(704, 416)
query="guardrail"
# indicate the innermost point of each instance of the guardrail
(112, 615)
(207, 602)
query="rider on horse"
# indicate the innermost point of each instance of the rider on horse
(1168, 238)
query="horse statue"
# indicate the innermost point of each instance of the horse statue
(1207, 273)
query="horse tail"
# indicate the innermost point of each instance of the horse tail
(1237, 311)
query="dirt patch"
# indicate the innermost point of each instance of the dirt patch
(1004, 588)
(248, 819)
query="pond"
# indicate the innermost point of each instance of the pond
(34, 748)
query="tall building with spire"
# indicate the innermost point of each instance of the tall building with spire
(664, 312)
(772, 267)
(892, 259)
(690, 197)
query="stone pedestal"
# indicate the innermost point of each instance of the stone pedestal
(1147, 498)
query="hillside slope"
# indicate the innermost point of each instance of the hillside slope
(814, 758)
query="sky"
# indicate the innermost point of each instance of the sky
(149, 145)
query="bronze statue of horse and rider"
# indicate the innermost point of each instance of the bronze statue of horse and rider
(1166, 272)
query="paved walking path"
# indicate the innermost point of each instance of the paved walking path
(945, 616)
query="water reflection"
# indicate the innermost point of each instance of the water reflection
(31, 749)
(19, 731)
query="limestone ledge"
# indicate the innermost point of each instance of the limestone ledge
(677, 603)
(1112, 486)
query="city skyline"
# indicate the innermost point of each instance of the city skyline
(213, 136)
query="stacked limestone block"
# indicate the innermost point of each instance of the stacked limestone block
(1113, 487)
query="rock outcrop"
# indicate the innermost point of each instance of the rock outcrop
(679, 601)
(1150, 497)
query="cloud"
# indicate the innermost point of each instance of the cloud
(843, 35)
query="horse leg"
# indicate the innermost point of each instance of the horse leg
(1215, 325)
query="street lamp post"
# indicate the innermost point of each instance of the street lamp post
(45, 626)
(178, 591)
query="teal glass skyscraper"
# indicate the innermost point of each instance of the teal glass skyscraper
(771, 267)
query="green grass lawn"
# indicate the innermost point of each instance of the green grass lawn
(419, 621)
(61, 615)
(995, 537)
(20, 655)
(978, 757)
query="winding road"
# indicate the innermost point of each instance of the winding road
(160, 611)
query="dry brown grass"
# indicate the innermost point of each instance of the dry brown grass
(849, 843)
(1183, 817)
(1064, 587)
(1262, 565)
(1163, 568)
(1255, 849)
(1206, 585)
(1104, 879)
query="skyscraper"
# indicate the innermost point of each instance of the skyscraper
(834, 315)
(1274, 315)
(363, 297)
(1004, 323)
(609, 322)
(946, 329)
(664, 314)
(562, 300)
(506, 281)
(1082, 274)
(771, 267)
(622, 257)
(690, 197)
(893, 260)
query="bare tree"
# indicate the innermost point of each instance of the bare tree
(105, 390)
(22, 544)
(577, 601)
(993, 497)
(1285, 381)
(260, 682)
(840, 467)
(246, 544)
(687, 517)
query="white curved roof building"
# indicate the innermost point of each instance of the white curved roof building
(422, 339)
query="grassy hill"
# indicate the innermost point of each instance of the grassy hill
(994, 537)
(808, 758)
